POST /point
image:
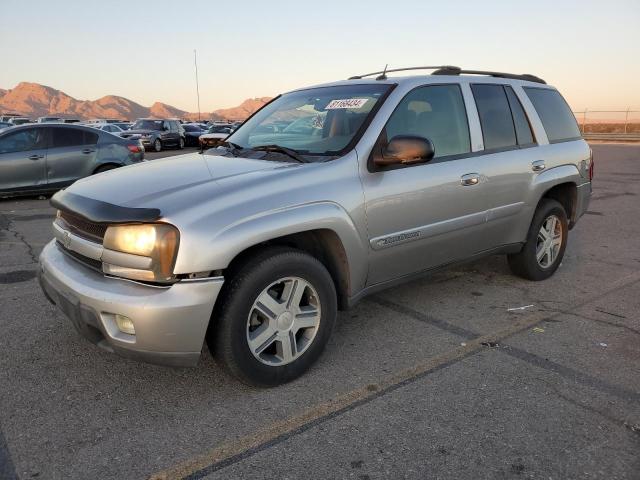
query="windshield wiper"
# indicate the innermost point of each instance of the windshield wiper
(280, 149)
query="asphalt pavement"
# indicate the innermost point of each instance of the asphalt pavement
(471, 373)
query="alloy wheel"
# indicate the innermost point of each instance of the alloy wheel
(549, 241)
(283, 321)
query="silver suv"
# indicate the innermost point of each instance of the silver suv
(325, 195)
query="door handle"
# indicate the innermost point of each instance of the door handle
(36, 157)
(538, 165)
(88, 150)
(470, 179)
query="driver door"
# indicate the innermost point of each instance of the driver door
(424, 215)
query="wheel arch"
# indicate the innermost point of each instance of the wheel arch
(560, 184)
(107, 163)
(323, 230)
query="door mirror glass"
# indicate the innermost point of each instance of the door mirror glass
(406, 150)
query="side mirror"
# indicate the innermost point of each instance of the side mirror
(406, 150)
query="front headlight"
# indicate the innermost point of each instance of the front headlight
(150, 251)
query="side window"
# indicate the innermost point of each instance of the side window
(90, 138)
(435, 112)
(520, 120)
(495, 116)
(67, 137)
(24, 140)
(555, 114)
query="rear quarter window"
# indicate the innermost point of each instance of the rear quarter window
(555, 115)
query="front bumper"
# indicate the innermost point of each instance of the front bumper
(170, 322)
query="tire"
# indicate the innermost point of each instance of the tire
(157, 145)
(181, 143)
(236, 319)
(526, 264)
(105, 168)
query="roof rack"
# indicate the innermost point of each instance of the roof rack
(457, 71)
(451, 70)
(383, 74)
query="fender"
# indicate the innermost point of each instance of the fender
(218, 253)
(552, 177)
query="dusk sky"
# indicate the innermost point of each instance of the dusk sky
(590, 50)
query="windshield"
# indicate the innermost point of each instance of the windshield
(191, 128)
(318, 121)
(147, 125)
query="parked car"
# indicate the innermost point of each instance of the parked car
(71, 120)
(192, 132)
(8, 116)
(38, 158)
(255, 245)
(107, 127)
(104, 120)
(214, 136)
(157, 134)
(49, 120)
(19, 120)
(123, 125)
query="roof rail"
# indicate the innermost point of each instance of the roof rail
(457, 71)
(383, 74)
(451, 70)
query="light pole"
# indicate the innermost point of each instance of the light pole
(195, 62)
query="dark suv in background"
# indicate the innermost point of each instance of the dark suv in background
(47, 157)
(157, 134)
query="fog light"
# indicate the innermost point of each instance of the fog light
(125, 325)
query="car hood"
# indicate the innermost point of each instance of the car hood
(214, 135)
(178, 183)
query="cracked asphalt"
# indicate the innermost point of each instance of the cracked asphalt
(447, 377)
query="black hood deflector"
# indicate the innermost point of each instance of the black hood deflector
(102, 212)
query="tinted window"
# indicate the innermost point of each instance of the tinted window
(435, 112)
(520, 120)
(555, 114)
(72, 137)
(90, 138)
(23, 140)
(495, 116)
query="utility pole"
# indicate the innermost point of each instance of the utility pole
(195, 62)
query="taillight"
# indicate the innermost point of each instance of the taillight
(591, 165)
(134, 148)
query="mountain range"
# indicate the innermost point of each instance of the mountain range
(34, 100)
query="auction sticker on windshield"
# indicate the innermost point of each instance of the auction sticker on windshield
(346, 103)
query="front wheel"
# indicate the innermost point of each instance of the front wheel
(181, 143)
(546, 241)
(276, 316)
(157, 145)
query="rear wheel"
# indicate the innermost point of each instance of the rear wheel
(276, 316)
(546, 241)
(105, 168)
(157, 145)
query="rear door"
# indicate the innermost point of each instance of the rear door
(23, 156)
(71, 155)
(509, 155)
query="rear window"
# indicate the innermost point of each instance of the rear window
(495, 116)
(520, 120)
(71, 137)
(555, 114)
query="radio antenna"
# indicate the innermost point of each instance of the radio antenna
(384, 73)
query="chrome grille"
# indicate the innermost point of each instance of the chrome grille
(83, 227)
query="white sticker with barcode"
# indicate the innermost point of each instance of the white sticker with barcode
(346, 103)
